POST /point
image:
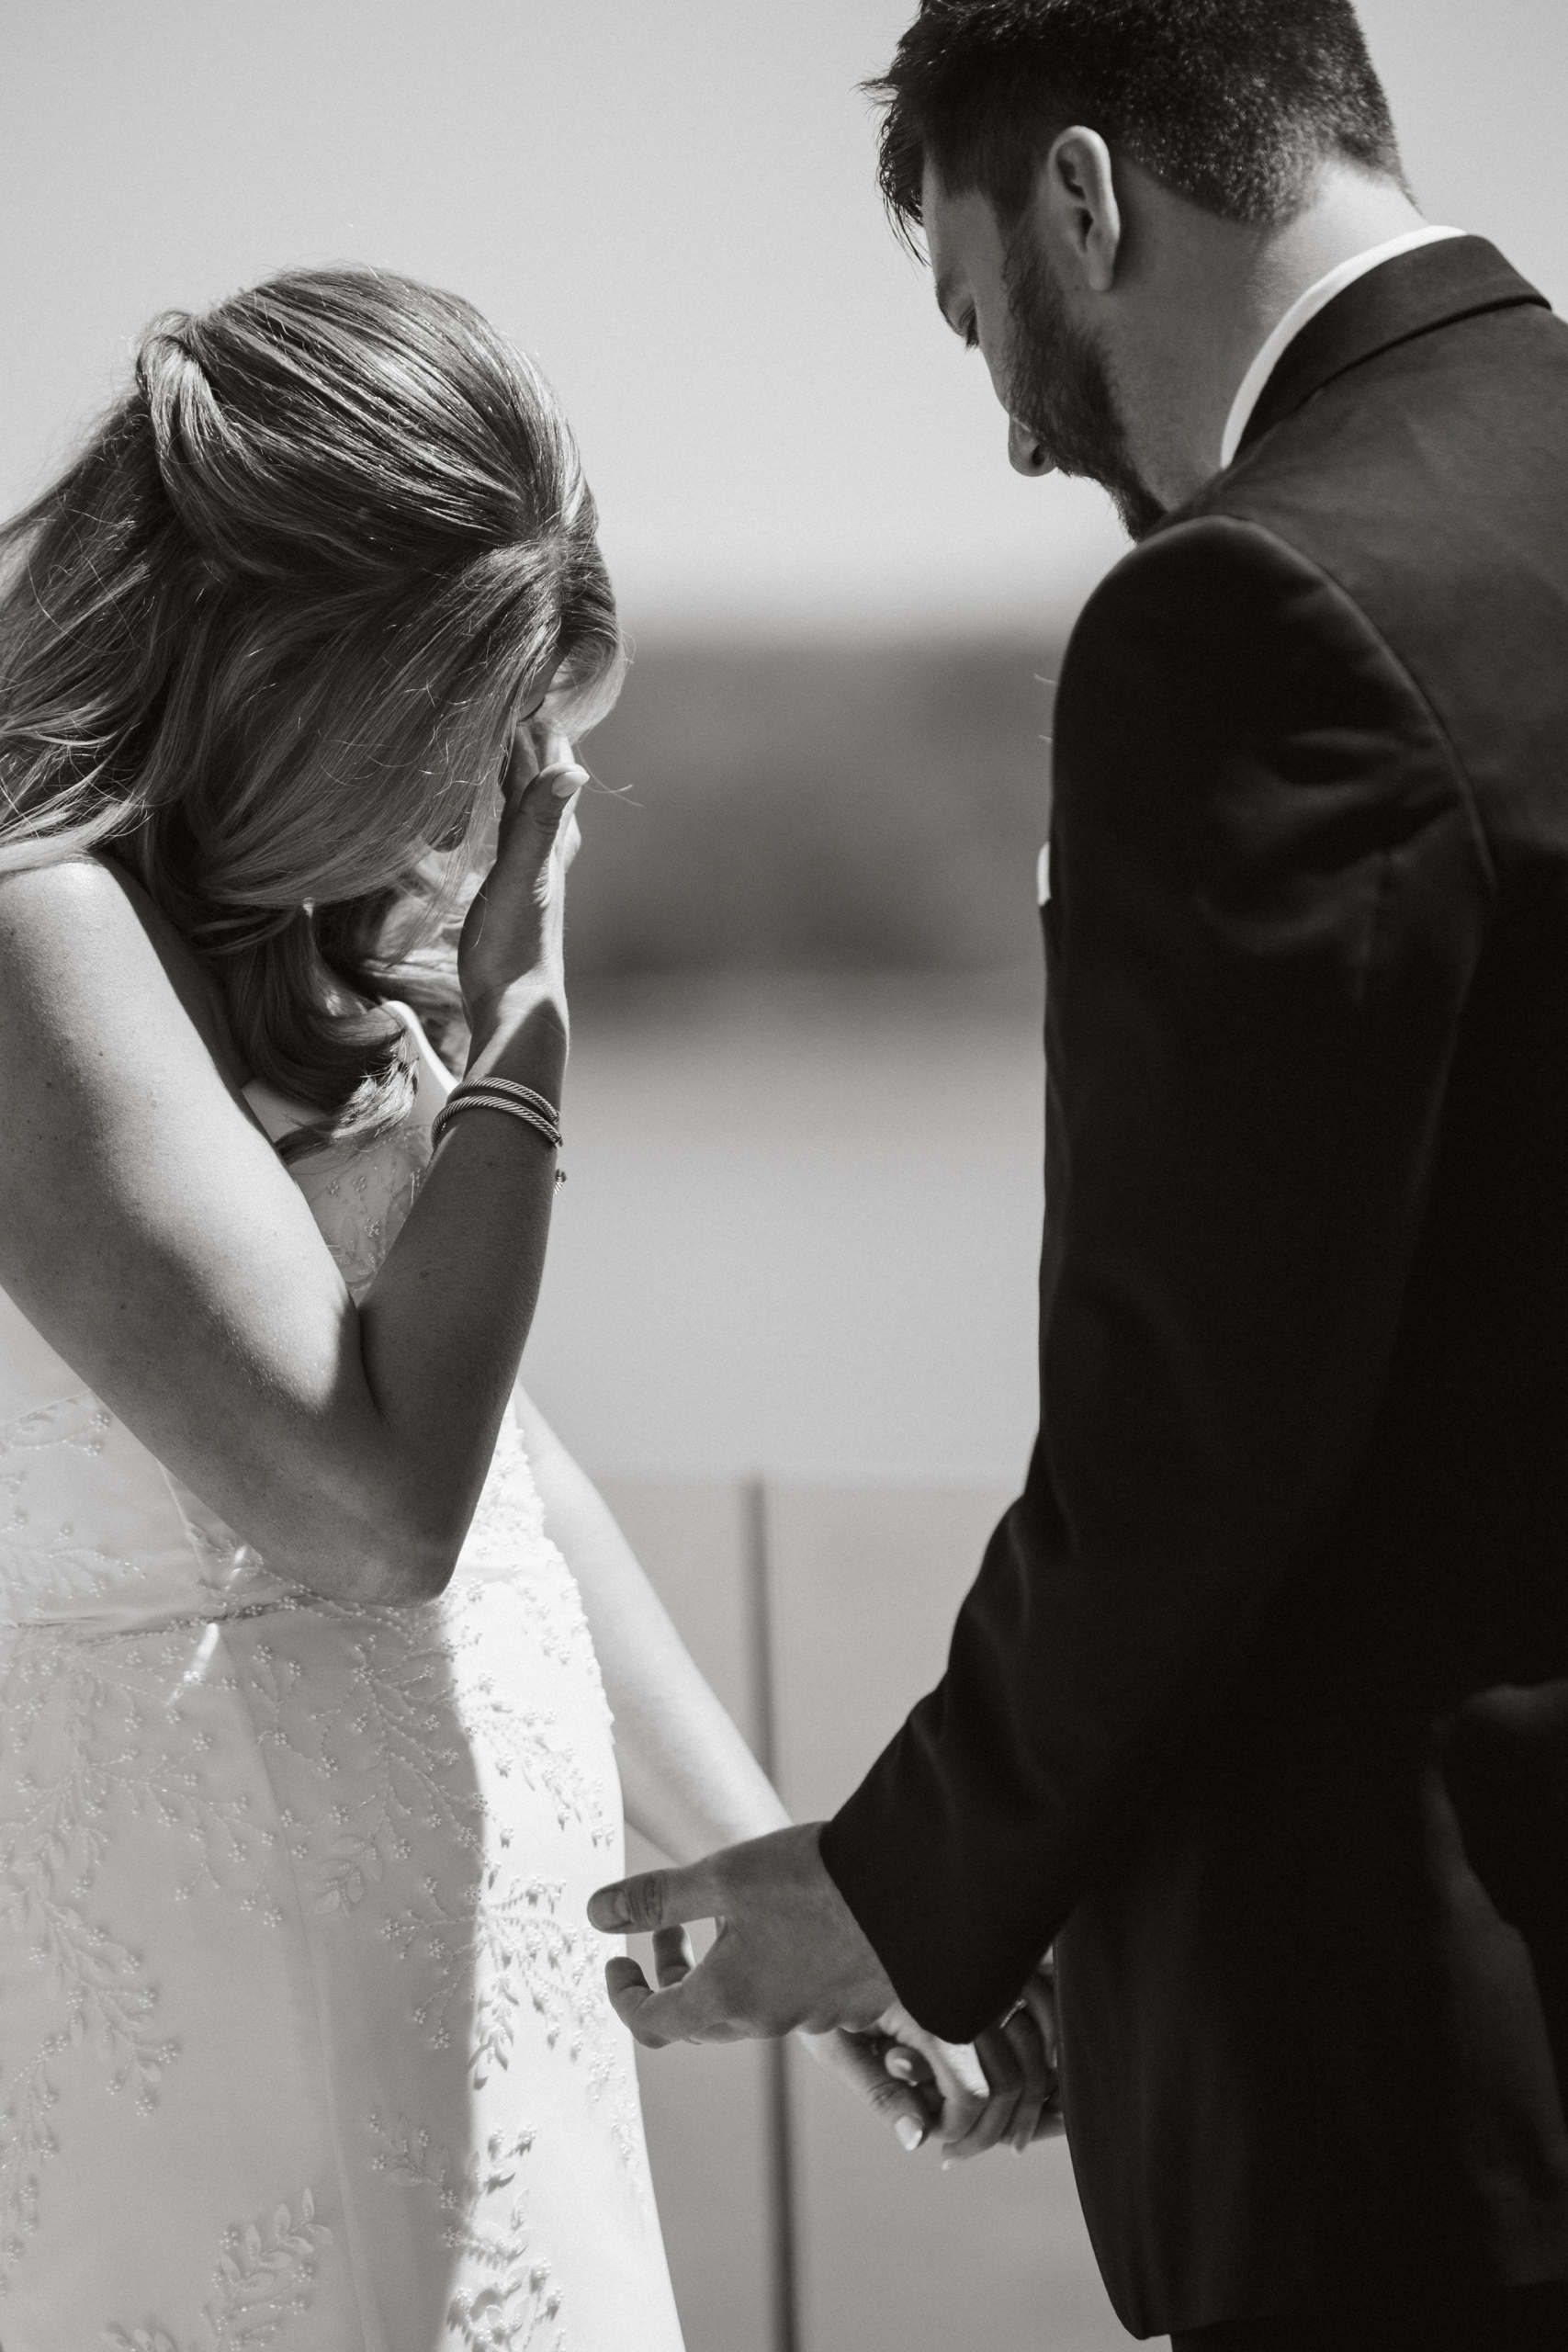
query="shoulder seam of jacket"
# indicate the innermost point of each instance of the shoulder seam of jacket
(1263, 531)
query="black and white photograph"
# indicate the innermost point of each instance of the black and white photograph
(783, 1176)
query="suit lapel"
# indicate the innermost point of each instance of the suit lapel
(1408, 296)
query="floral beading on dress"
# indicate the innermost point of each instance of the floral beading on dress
(292, 1900)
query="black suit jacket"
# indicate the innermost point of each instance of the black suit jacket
(1259, 1704)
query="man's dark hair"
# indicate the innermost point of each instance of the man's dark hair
(1230, 103)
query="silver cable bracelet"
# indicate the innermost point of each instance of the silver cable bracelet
(455, 1102)
(509, 1086)
(458, 1101)
(480, 1089)
(497, 1094)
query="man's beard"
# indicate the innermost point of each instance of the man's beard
(1060, 389)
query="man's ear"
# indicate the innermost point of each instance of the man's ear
(1075, 209)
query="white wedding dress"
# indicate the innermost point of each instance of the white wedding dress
(303, 2038)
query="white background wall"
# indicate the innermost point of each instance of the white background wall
(671, 203)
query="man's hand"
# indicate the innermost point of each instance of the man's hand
(789, 1951)
(789, 1954)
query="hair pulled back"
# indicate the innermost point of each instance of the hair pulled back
(264, 642)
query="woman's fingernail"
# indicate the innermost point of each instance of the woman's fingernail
(898, 2064)
(907, 2133)
(569, 780)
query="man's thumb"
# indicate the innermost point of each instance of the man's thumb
(653, 1899)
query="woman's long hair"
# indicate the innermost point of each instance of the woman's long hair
(265, 643)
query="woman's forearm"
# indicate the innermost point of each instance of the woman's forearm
(443, 1326)
(689, 1780)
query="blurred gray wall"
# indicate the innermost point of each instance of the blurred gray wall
(813, 807)
(672, 207)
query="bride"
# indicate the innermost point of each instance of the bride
(311, 1635)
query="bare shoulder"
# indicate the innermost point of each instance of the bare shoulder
(44, 909)
(141, 1208)
(114, 1096)
(86, 979)
(66, 931)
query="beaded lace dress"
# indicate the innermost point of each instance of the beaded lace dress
(303, 2038)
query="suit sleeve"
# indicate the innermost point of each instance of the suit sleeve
(1271, 893)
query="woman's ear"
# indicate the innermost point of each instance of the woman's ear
(1075, 212)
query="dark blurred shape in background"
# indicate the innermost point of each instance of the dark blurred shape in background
(799, 807)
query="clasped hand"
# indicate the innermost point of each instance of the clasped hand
(789, 1955)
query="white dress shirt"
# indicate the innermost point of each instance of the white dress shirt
(1316, 297)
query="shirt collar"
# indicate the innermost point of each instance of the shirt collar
(1316, 297)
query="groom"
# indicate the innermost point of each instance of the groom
(1258, 1707)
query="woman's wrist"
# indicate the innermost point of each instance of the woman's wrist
(522, 1033)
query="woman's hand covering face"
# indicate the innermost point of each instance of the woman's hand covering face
(511, 934)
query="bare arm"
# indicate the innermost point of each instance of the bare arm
(150, 1233)
(690, 1783)
(689, 1780)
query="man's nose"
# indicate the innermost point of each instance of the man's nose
(1026, 452)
